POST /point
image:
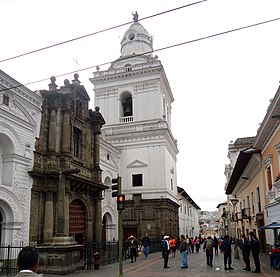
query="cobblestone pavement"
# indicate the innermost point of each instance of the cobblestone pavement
(153, 266)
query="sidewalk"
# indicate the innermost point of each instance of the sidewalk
(153, 266)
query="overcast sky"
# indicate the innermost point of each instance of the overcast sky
(221, 85)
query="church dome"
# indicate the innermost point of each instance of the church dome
(136, 40)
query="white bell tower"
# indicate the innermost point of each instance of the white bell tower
(135, 99)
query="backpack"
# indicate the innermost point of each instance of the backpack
(209, 245)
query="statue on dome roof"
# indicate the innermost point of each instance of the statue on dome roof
(135, 16)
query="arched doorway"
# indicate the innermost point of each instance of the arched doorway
(108, 228)
(77, 218)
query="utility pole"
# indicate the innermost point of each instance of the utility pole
(120, 231)
(116, 192)
(234, 202)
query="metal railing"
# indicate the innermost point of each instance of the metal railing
(8, 259)
(108, 252)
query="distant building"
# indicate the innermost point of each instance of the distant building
(188, 214)
(208, 223)
(222, 219)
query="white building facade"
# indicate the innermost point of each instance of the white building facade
(20, 115)
(109, 163)
(188, 215)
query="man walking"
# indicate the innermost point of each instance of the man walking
(146, 243)
(255, 247)
(166, 250)
(216, 245)
(183, 250)
(208, 248)
(245, 248)
(133, 246)
(226, 250)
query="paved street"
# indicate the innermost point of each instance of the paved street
(153, 266)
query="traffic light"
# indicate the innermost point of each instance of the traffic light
(120, 201)
(116, 189)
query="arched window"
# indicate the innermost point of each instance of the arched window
(127, 104)
(127, 67)
(6, 100)
(126, 109)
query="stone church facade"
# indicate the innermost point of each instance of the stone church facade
(67, 185)
(135, 98)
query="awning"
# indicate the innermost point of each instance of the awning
(273, 225)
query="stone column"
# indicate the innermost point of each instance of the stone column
(62, 230)
(52, 131)
(48, 217)
(98, 220)
(60, 221)
(66, 133)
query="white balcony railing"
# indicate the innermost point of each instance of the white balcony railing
(126, 119)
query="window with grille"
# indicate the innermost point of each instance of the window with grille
(6, 100)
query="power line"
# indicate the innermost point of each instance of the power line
(98, 32)
(157, 50)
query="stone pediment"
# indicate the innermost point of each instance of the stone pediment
(136, 163)
(20, 111)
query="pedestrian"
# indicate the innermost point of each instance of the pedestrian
(28, 262)
(184, 252)
(188, 244)
(192, 244)
(216, 245)
(197, 244)
(173, 246)
(244, 245)
(226, 250)
(273, 255)
(133, 246)
(255, 248)
(166, 251)
(146, 244)
(208, 247)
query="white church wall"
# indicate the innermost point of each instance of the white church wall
(20, 119)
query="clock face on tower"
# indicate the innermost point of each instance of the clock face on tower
(131, 36)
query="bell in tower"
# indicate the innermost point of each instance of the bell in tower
(127, 107)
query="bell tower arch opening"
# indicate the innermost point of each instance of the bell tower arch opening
(127, 106)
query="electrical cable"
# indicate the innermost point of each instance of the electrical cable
(149, 52)
(97, 32)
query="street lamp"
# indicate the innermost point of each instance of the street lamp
(234, 202)
(223, 216)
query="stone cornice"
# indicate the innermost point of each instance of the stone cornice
(10, 84)
(144, 133)
(269, 124)
(138, 70)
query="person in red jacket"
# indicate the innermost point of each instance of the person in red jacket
(274, 254)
